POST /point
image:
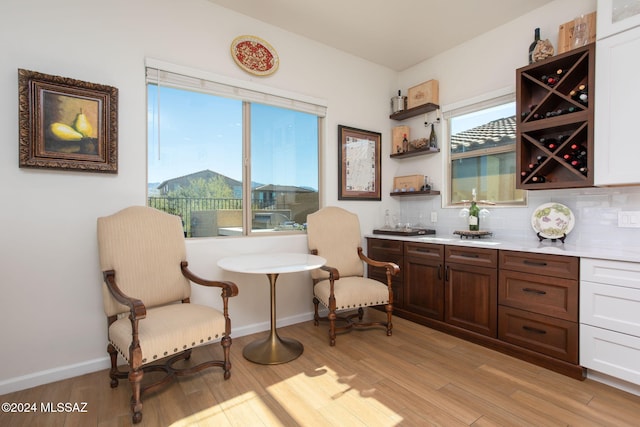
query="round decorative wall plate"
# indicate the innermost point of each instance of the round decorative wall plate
(552, 220)
(254, 55)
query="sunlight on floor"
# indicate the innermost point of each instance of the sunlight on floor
(320, 399)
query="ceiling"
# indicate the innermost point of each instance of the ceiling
(394, 33)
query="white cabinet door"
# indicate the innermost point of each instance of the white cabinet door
(617, 138)
(615, 16)
(611, 353)
(616, 308)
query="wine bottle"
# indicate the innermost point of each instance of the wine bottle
(405, 143)
(474, 217)
(532, 46)
(433, 138)
(538, 179)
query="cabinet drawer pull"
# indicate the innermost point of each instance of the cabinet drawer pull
(536, 263)
(470, 255)
(534, 291)
(424, 250)
(534, 330)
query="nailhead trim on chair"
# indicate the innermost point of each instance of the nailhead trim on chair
(344, 307)
(155, 356)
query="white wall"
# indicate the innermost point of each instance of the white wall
(51, 323)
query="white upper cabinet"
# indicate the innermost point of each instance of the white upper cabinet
(616, 138)
(615, 16)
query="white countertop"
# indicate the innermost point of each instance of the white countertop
(631, 254)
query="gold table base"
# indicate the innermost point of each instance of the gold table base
(273, 350)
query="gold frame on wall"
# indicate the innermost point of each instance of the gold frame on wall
(67, 124)
(359, 164)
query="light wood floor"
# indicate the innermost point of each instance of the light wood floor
(417, 377)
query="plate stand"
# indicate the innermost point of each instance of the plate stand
(564, 236)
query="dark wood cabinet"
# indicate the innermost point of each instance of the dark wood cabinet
(389, 251)
(554, 121)
(424, 279)
(538, 303)
(471, 282)
(520, 303)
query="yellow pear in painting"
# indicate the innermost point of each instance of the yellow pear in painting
(82, 125)
(64, 132)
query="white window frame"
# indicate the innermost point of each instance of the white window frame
(488, 100)
(186, 78)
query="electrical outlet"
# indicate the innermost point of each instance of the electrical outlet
(434, 217)
(629, 219)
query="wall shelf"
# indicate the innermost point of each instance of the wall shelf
(416, 152)
(416, 193)
(415, 111)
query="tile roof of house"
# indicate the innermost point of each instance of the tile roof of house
(493, 134)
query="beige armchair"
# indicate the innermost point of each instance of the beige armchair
(340, 285)
(146, 292)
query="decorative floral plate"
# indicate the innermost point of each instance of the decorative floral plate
(552, 220)
(254, 55)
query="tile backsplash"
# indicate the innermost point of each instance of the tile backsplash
(595, 209)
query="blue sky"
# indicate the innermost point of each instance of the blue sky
(200, 131)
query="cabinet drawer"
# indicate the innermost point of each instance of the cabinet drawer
(424, 251)
(548, 265)
(384, 245)
(471, 256)
(554, 337)
(611, 353)
(541, 294)
(619, 273)
(611, 307)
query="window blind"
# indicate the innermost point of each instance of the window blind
(171, 75)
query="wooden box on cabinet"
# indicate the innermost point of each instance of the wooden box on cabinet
(554, 125)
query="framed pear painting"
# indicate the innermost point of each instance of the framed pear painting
(67, 124)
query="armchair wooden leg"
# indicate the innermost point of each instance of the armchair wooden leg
(226, 346)
(316, 317)
(332, 328)
(135, 378)
(113, 372)
(389, 310)
(360, 314)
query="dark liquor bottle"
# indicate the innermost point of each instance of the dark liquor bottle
(433, 138)
(474, 217)
(532, 46)
(405, 143)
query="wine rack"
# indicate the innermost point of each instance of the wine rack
(554, 121)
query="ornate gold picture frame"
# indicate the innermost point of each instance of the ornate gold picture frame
(67, 124)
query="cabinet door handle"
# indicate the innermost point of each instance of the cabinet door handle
(534, 291)
(439, 271)
(536, 263)
(534, 330)
(446, 273)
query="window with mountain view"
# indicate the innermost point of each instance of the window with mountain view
(482, 154)
(227, 165)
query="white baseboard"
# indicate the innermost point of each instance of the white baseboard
(47, 376)
(50, 375)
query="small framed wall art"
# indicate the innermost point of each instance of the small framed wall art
(358, 164)
(67, 124)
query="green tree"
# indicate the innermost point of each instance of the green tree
(214, 188)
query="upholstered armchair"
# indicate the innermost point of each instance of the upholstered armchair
(340, 285)
(146, 291)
